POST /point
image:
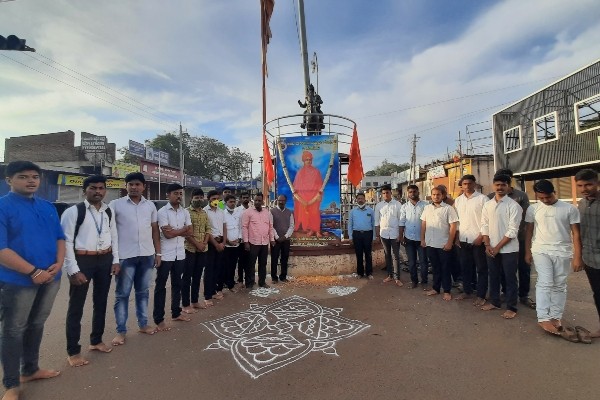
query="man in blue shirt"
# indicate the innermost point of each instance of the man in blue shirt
(32, 251)
(360, 231)
(410, 236)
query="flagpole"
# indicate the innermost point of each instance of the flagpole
(303, 45)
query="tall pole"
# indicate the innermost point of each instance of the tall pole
(303, 46)
(181, 159)
(413, 160)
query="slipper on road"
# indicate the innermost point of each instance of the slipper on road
(583, 335)
(570, 334)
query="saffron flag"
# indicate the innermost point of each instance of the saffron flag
(355, 167)
(268, 162)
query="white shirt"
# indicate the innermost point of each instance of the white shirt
(217, 219)
(134, 225)
(437, 224)
(410, 219)
(387, 218)
(233, 221)
(552, 228)
(469, 215)
(88, 237)
(500, 219)
(174, 248)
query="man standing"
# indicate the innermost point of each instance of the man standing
(216, 246)
(32, 251)
(91, 255)
(470, 240)
(524, 269)
(243, 255)
(175, 225)
(361, 220)
(589, 208)
(308, 186)
(257, 232)
(438, 229)
(139, 251)
(283, 223)
(410, 236)
(387, 228)
(550, 224)
(233, 246)
(500, 219)
(196, 246)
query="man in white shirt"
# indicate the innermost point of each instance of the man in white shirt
(216, 246)
(245, 203)
(139, 252)
(410, 236)
(470, 240)
(175, 225)
(500, 219)
(233, 246)
(553, 243)
(91, 255)
(387, 229)
(438, 228)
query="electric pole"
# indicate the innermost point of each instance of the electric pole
(413, 160)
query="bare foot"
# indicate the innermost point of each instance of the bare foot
(183, 318)
(595, 334)
(431, 292)
(318, 234)
(387, 279)
(489, 307)
(509, 314)
(148, 330)
(40, 374)
(447, 297)
(463, 296)
(119, 340)
(218, 296)
(557, 323)
(479, 302)
(549, 327)
(163, 327)
(189, 310)
(100, 347)
(77, 361)
(12, 394)
(399, 283)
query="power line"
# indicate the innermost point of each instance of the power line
(86, 92)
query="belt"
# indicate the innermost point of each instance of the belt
(93, 252)
(364, 231)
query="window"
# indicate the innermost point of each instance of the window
(375, 183)
(546, 128)
(587, 114)
(512, 139)
(368, 184)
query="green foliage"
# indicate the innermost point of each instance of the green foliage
(386, 168)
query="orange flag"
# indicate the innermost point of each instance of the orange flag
(268, 162)
(355, 167)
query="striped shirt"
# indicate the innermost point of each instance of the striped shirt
(590, 231)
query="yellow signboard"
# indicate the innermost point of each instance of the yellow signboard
(77, 180)
(120, 169)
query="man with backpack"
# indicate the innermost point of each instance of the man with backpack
(91, 255)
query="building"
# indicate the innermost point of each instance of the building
(552, 133)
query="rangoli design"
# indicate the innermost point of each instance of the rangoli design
(263, 292)
(265, 338)
(342, 290)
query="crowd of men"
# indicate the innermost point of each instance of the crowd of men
(493, 239)
(127, 239)
(489, 243)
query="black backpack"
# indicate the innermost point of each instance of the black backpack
(81, 216)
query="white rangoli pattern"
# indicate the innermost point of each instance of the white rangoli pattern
(268, 337)
(263, 292)
(342, 290)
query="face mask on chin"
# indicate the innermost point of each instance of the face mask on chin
(361, 206)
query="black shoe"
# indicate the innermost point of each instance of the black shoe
(249, 285)
(284, 280)
(264, 285)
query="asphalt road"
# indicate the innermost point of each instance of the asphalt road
(416, 347)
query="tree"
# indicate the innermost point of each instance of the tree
(386, 168)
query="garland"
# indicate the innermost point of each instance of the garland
(289, 181)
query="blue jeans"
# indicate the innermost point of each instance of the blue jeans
(135, 272)
(23, 312)
(414, 249)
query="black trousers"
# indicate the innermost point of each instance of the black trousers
(96, 269)
(472, 258)
(175, 269)
(442, 274)
(363, 246)
(593, 275)
(243, 257)
(524, 273)
(231, 256)
(214, 263)
(504, 263)
(260, 253)
(280, 250)
(192, 273)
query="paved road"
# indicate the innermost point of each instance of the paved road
(415, 348)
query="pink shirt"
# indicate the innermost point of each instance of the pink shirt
(257, 227)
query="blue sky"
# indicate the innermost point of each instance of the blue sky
(381, 63)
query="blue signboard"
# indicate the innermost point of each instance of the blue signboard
(137, 149)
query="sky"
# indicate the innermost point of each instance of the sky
(134, 69)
